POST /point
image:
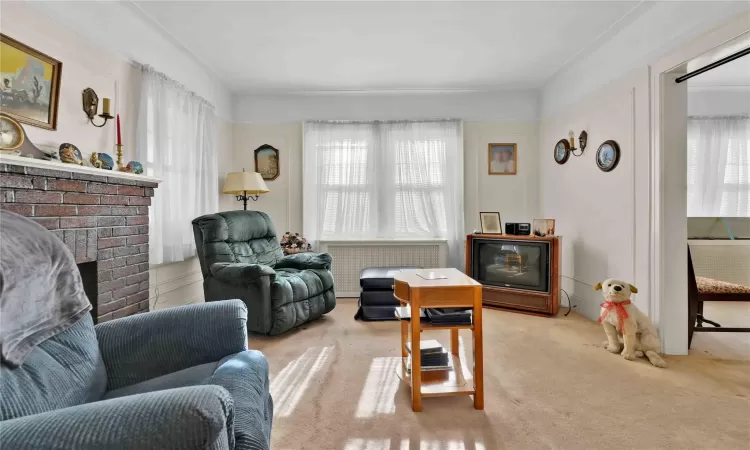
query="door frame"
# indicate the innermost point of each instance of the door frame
(668, 183)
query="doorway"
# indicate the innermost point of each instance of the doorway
(669, 231)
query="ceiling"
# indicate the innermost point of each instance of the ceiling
(278, 47)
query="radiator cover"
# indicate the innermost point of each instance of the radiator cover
(350, 257)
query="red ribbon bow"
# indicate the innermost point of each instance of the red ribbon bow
(622, 314)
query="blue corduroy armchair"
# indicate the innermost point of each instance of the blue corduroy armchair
(180, 378)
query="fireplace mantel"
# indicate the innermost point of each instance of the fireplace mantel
(100, 215)
(57, 165)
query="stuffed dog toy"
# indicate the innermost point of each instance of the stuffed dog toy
(622, 319)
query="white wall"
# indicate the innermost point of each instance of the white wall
(610, 218)
(489, 117)
(654, 30)
(718, 102)
(466, 105)
(602, 217)
(121, 28)
(516, 197)
(284, 202)
(85, 64)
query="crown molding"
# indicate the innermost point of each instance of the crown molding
(150, 21)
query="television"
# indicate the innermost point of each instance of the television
(522, 264)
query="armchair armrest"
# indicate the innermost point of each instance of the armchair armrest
(304, 261)
(196, 417)
(145, 346)
(238, 273)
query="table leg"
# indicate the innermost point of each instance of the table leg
(404, 337)
(478, 351)
(454, 341)
(416, 357)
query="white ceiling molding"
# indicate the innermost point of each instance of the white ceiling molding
(507, 106)
(153, 23)
(286, 47)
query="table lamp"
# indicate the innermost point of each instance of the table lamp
(244, 185)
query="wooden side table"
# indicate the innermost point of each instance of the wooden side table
(456, 290)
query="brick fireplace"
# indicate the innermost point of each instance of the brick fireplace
(102, 216)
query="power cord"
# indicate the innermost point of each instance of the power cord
(156, 288)
(570, 306)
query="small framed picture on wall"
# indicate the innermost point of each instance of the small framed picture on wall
(490, 222)
(502, 159)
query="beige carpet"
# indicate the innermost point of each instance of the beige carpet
(548, 384)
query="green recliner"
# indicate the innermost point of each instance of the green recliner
(241, 258)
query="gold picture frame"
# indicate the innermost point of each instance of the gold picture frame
(30, 84)
(502, 159)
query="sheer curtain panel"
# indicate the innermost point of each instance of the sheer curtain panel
(176, 142)
(719, 166)
(385, 180)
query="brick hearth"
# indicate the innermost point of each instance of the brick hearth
(102, 219)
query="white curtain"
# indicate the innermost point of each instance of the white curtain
(383, 180)
(719, 167)
(176, 142)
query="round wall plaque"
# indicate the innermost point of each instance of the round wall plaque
(562, 151)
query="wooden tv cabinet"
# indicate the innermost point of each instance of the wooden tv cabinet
(544, 303)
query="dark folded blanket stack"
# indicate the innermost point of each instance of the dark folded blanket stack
(438, 316)
(448, 316)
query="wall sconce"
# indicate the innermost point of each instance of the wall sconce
(582, 140)
(91, 106)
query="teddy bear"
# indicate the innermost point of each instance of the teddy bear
(621, 319)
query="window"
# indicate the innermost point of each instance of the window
(345, 186)
(419, 177)
(718, 167)
(175, 132)
(383, 180)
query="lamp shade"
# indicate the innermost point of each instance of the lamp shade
(239, 183)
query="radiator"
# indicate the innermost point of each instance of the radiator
(350, 257)
(722, 260)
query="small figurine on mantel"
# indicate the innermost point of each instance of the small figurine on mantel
(102, 161)
(94, 160)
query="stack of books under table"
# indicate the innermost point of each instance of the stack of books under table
(434, 356)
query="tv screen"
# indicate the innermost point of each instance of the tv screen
(518, 264)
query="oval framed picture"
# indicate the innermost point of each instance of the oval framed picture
(562, 151)
(608, 156)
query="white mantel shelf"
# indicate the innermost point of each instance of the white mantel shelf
(56, 165)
